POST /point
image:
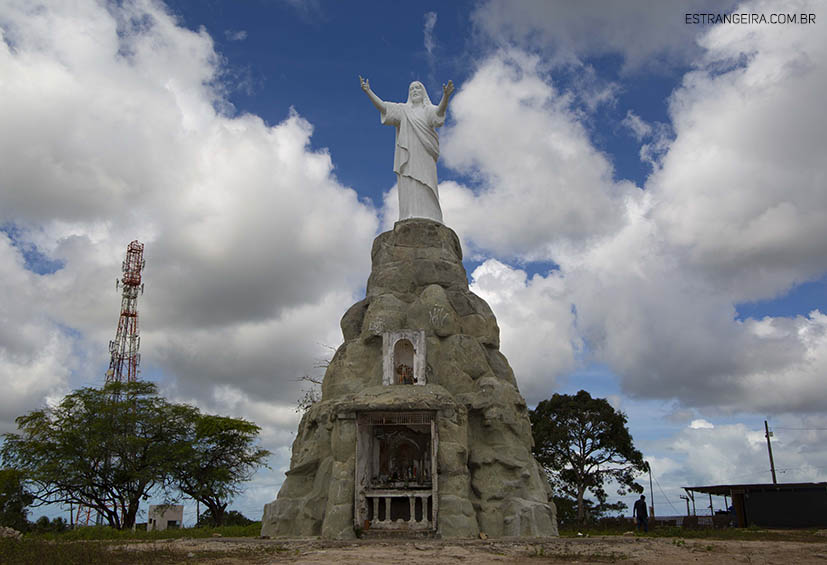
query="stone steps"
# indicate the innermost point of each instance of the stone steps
(398, 534)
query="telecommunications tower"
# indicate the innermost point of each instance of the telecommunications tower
(125, 358)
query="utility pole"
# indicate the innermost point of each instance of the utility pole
(768, 434)
(686, 498)
(651, 493)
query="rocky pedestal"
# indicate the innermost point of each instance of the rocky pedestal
(486, 479)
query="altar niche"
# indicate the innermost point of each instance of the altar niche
(403, 357)
(396, 482)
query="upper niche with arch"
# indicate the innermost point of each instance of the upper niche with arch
(403, 357)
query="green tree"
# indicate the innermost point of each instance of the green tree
(219, 454)
(14, 498)
(102, 448)
(231, 518)
(567, 510)
(43, 525)
(582, 442)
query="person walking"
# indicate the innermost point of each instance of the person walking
(639, 511)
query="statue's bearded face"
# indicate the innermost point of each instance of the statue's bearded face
(416, 92)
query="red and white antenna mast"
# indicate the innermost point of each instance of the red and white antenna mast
(123, 366)
(125, 358)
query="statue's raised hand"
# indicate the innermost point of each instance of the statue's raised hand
(448, 89)
(365, 83)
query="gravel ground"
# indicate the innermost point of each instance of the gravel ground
(609, 549)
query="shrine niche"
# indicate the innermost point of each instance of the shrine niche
(403, 360)
(396, 471)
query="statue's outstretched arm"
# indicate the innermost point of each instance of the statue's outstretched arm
(378, 102)
(447, 91)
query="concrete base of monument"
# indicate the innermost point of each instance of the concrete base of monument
(421, 427)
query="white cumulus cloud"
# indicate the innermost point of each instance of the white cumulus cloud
(734, 211)
(536, 324)
(542, 183)
(700, 424)
(115, 128)
(648, 35)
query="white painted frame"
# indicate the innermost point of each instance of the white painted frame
(389, 340)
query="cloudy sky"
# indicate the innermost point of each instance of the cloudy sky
(641, 200)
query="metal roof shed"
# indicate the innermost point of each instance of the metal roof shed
(785, 505)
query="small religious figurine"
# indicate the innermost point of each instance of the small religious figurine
(405, 373)
(417, 147)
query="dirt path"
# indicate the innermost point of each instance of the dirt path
(610, 549)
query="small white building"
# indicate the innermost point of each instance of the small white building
(163, 516)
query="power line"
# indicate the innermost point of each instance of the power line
(664, 495)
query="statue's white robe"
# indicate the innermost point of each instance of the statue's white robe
(414, 159)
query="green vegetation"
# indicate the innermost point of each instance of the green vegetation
(218, 455)
(26, 552)
(103, 448)
(746, 534)
(43, 525)
(105, 533)
(231, 518)
(615, 527)
(582, 442)
(103, 544)
(109, 448)
(14, 499)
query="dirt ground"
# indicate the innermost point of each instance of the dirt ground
(609, 549)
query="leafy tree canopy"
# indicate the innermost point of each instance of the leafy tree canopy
(231, 518)
(102, 448)
(13, 500)
(592, 513)
(220, 454)
(583, 443)
(108, 448)
(43, 525)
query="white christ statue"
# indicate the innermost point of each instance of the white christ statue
(417, 147)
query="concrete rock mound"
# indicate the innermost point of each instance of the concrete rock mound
(421, 426)
(8, 532)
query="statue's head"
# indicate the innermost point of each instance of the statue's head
(417, 93)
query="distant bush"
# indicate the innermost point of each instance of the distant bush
(103, 533)
(43, 525)
(615, 523)
(14, 498)
(231, 518)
